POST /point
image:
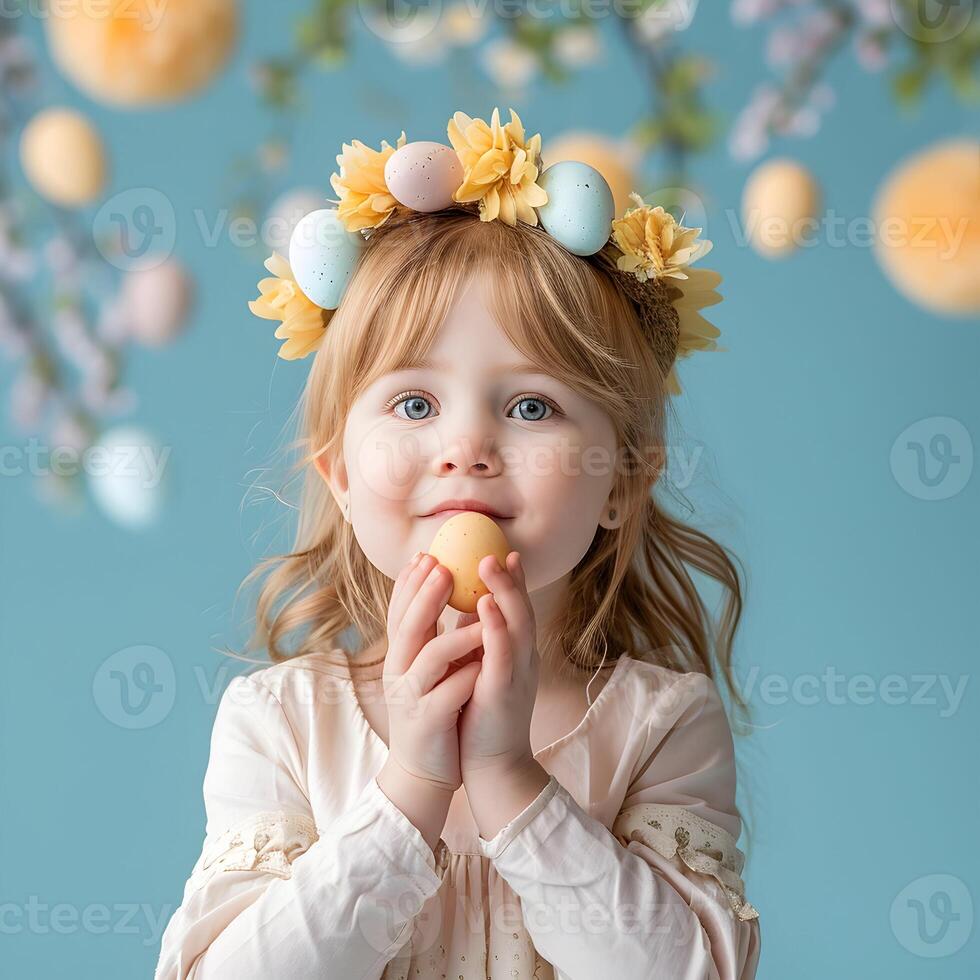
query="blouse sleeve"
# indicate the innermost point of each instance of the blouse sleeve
(271, 894)
(661, 894)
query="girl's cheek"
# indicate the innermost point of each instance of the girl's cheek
(546, 464)
(390, 464)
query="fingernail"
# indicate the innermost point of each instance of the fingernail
(416, 557)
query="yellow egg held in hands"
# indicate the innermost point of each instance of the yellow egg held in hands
(460, 544)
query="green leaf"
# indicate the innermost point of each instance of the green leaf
(965, 83)
(909, 84)
(648, 133)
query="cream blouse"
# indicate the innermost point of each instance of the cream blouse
(625, 865)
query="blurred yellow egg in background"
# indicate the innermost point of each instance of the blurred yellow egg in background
(63, 157)
(138, 52)
(927, 216)
(460, 544)
(616, 161)
(780, 201)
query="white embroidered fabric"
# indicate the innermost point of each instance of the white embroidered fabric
(268, 841)
(701, 845)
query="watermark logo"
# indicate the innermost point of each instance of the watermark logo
(933, 916)
(406, 904)
(932, 21)
(401, 21)
(932, 459)
(135, 687)
(136, 229)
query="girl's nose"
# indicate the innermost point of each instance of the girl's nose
(466, 453)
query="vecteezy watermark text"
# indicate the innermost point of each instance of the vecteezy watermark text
(39, 918)
(832, 687)
(145, 462)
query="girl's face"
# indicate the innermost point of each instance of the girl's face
(482, 423)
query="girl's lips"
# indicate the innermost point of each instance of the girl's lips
(450, 513)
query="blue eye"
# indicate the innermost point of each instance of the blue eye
(533, 408)
(413, 401)
(535, 412)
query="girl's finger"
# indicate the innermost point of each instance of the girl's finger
(430, 666)
(418, 624)
(515, 566)
(406, 585)
(406, 570)
(401, 579)
(497, 668)
(452, 693)
(505, 592)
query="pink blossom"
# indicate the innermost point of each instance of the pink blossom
(60, 255)
(28, 395)
(871, 54)
(749, 137)
(112, 324)
(750, 11)
(876, 13)
(67, 431)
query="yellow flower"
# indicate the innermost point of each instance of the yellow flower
(694, 293)
(365, 201)
(280, 298)
(653, 244)
(500, 168)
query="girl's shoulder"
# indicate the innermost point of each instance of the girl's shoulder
(662, 698)
(658, 680)
(320, 669)
(314, 691)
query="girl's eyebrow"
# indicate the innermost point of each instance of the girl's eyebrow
(522, 367)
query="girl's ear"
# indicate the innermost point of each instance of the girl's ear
(612, 515)
(334, 477)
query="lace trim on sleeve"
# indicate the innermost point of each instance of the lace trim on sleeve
(701, 845)
(269, 841)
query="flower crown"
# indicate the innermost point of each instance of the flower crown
(495, 167)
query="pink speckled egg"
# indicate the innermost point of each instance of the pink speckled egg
(423, 175)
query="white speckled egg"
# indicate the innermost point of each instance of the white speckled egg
(424, 175)
(580, 208)
(323, 255)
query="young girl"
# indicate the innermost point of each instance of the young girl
(545, 787)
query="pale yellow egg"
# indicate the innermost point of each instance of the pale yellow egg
(615, 160)
(779, 205)
(142, 52)
(62, 156)
(460, 544)
(927, 217)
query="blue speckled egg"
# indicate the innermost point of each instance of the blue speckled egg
(580, 206)
(323, 255)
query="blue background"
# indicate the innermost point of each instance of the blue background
(826, 366)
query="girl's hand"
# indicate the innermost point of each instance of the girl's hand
(423, 702)
(495, 725)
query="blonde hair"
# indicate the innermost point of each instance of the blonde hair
(632, 592)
